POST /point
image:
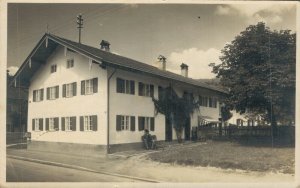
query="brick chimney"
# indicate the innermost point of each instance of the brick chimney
(105, 45)
(184, 69)
(162, 62)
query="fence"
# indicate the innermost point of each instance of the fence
(15, 137)
(246, 131)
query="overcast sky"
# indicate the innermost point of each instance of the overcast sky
(143, 32)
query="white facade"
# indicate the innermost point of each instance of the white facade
(96, 103)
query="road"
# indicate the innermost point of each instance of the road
(24, 171)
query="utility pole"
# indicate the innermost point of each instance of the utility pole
(79, 25)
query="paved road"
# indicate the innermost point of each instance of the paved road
(24, 171)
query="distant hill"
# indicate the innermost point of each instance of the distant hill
(212, 82)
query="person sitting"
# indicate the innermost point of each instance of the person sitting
(147, 139)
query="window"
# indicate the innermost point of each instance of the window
(37, 124)
(160, 92)
(69, 90)
(125, 123)
(214, 102)
(88, 123)
(52, 124)
(70, 63)
(52, 92)
(125, 86)
(89, 86)
(53, 68)
(38, 95)
(68, 123)
(203, 101)
(146, 123)
(146, 89)
(210, 101)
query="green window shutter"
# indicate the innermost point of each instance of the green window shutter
(74, 89)
(33, 124)
(48, 93)
(81, 123)
(132, 87)
(73, 123)
(95, 85)
(47, 124)
(118, 125)
(82, 87)
(141, 121)
(63, 124)
(141, 86)
(56, 123)
(120, 85)
(41, 124)
(56, 92)
(42, 94)
(94, 123)
(152, 90)
(152, 124)
(64, 90)
(132, 123)
(34, 95)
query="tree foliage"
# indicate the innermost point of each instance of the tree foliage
(176, 109)
(258, 67)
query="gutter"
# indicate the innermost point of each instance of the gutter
(107, 112)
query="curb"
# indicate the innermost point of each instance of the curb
(80, 168)
(10, 145)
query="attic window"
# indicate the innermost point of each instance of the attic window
(53, 68)
(70, 63)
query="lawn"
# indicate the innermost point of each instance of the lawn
(230, 155)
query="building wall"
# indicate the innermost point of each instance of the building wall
(135, 105)
(79, 105)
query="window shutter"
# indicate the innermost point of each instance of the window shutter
(34, 95)
(82, 87)
(118, 125)
(151, 90)
(56, 123)
(120, 85)
(48, 93)
(95, 85)
(63, 124)
(152, 124)
(64, 90)
(132, 122)
(42, 94)
(132, 88)
(41, 124)
(56, 92)
(94, 123)
(47, 124)
(141, 123)
(81, 123)
(74, 89)
(33, 124)
(73, 123)
(140, 89)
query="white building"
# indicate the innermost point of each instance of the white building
(88, 100)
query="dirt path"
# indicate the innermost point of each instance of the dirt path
(140, 166)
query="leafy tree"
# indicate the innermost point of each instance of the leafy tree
(177, 110)
(258, 67)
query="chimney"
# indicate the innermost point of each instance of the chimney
(105, 45)
(162, 62)
(184, 70)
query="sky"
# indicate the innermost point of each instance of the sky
(145, 31)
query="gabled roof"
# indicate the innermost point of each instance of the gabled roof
(49, 42)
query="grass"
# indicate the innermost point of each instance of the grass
(231, 155)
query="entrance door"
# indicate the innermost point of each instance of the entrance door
(168, 128)
(187, 129)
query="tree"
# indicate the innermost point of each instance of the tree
(177, 110)
(258, 67)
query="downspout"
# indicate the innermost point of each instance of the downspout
(108, 88)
